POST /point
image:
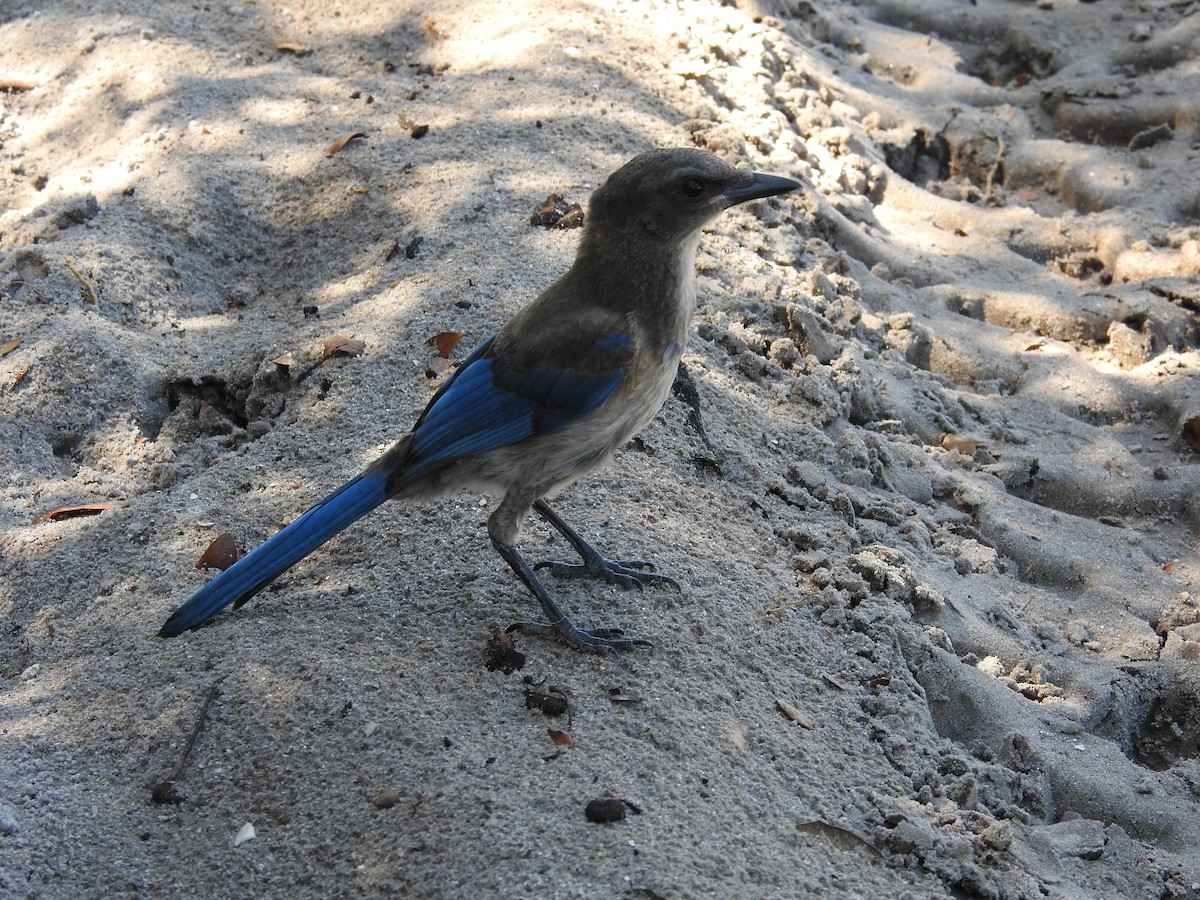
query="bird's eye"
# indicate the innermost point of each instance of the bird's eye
(693, 187)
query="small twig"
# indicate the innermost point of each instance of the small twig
(88, 290)
(164, 791)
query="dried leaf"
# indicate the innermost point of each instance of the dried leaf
(72, 512)
(9, 346)
(345, 346)
(19, 376)
(16, 85)
(220, 554)
(967, 446)
(286, 360)
(560, 738)
(292, 47)
(342, 142)
(444, 342)
(790, 712)
(435, 32)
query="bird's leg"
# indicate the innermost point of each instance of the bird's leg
(625, 572)
(595, 640)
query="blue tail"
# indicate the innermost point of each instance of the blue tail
(252, 573)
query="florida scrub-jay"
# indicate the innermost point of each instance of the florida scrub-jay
(551, 396)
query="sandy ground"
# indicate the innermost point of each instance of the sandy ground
(902, 664)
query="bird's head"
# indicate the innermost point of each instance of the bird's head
(671, 194)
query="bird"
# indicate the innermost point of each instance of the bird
(547, 399)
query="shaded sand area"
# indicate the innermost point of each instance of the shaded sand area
(932, 497)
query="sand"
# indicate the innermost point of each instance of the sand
(932, 504)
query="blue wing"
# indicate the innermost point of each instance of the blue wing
(494, 400)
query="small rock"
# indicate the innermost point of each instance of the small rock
(387, 799)
(605, 811)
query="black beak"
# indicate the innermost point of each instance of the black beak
(758, 187)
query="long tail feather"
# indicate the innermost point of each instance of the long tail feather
(252, 573)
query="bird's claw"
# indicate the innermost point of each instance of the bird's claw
(590, 640)
(628, 573)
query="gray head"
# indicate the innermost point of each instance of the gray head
(671, 194)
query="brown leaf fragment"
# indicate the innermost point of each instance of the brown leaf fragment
(9, 346)
(16, 85)
(292, 47)
(221, 553)
(434, 31)
(341, 142)
(340, 345)
(72, 512)
(444, 342)
(18, 377)
(560, 738)
(790, 712)
(967, 446)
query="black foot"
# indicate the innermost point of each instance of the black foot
(590, 640)
(628, 573)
